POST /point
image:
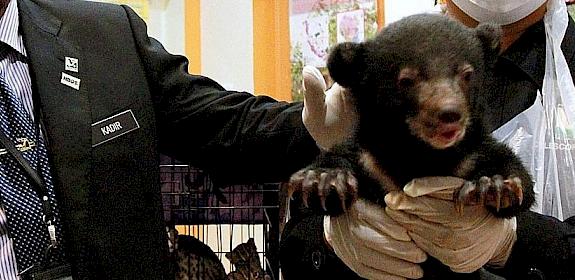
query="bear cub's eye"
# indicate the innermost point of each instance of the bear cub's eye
(466, 72)
(407, 78)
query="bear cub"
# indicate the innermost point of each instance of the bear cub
(411, 86)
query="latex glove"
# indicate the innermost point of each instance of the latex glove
(464, 242)
(372, 244)
(328, 117)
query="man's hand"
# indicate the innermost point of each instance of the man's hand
(463, 241)
(328, 116)
(372, 244)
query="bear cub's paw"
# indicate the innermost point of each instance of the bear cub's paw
(502, 197)
(326, 190)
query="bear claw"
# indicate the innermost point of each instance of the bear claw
(495, 193)
(323, 183)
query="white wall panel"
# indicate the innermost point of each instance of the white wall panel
(227, 43)
(397, 9)
(166, 24)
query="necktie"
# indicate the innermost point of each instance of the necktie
(21, 201)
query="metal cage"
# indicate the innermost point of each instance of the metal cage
(222, 217)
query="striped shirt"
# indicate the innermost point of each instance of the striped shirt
(14, 68)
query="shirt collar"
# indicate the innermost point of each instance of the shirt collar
(9, 28)
(528, 53)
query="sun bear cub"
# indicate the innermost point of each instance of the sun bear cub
(411, 86)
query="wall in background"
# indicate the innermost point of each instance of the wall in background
(224, 37)
(396, 9)
(164, 18)
(227, 43)
(166, 24)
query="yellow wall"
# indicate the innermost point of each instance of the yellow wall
(272, 48)
(380, 13)
(193, 39)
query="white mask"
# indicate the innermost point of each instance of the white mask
(498, 11)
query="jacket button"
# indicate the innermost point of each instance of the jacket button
(535, 274)
(316, 259)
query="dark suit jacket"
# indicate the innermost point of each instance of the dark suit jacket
(109, 193)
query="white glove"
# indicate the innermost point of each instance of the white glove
(463, 241)
(328, 117)
(372, 244)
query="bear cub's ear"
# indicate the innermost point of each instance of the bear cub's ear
(345, 63)
(490, 36)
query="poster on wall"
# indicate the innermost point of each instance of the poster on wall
(317, 25)
(350, 26)
(310, 36)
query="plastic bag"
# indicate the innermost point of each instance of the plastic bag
(544, 135)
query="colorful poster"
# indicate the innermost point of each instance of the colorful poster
(317, 25)
(350, 26)
(310, 35)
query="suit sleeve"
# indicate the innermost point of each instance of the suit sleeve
(304, 253)
(545, 249)
(234, 135)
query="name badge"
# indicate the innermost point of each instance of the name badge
(113, 127)
(70, 81)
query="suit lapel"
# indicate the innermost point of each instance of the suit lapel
(65, 112)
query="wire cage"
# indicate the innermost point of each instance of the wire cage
(223, 217)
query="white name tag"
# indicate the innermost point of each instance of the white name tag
(70, 81)
(113, 127)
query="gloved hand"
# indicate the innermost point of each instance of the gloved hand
(372, 244)
(328, 117)
(465, 242)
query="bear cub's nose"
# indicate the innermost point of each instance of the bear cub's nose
(448, 116)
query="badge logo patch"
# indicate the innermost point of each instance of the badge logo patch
(71, 64)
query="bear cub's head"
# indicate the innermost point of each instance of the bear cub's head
(415, 78)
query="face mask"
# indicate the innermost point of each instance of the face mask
(498, 11)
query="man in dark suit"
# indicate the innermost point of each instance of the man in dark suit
(109, 99)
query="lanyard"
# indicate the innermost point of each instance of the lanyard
(38, 184)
